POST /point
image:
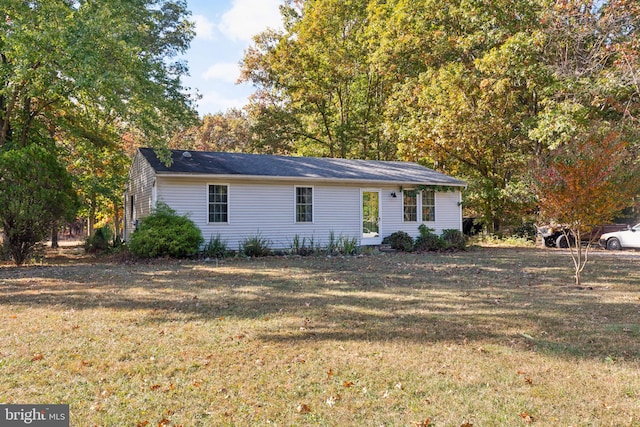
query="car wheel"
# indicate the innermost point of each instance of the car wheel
(563, 242)
(613, 244)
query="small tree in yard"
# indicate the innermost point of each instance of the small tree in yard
(585, 183)
(35, 192)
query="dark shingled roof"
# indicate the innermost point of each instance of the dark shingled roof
(257, 165)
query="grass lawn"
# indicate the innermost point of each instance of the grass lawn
(488, 337)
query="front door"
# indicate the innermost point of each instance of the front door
(371, 217)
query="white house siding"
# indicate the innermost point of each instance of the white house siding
(141, 186)
(268, 210)
(448, 214)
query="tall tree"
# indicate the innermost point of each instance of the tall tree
(35, 191)
(470, 93)
(318, 94)
(87, 72)
(228, 131)
(63, 62)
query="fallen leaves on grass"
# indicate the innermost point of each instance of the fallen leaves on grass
(303, 408)
(526, 417)
(348, 384)
(332, 400)
(425, 423)
(37, 357)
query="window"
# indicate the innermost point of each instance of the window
(425, 204)
(428, 206)
(218, 203)
(304, 204)
(410, 206)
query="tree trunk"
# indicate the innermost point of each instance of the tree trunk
(116, 219)
(54, 236)
(92, 217)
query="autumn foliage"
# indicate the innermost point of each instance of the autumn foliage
(585, 183)
(588, 182)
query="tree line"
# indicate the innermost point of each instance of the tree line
(499, 93)
(488, 91)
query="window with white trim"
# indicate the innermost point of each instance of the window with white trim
(410, 204)
(304, 204)
(428, 205)
(218, 203)
(419, 206)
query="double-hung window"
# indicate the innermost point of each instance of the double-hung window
(410, 201)
(419, 206)
(304, 204)
(428, 205)
(218, 203)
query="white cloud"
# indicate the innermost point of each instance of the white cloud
(204, 27)
(247, 18)
(213, 101)
(226, 72)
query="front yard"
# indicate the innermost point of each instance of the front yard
(492, 336)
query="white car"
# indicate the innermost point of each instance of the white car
(629, 238)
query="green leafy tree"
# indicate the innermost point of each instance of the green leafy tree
(86, 73)
(66, 64)
(36, 191)
(471, 91)
(318, 94)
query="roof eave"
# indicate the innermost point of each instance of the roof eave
(225, 177)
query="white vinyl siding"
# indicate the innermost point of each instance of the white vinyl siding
(447, 212)
(268, 209)
(265, 209)
(140, 193)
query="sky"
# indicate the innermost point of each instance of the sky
(224, 30)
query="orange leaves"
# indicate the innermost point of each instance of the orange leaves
(303, 408)
(526, 417)
(348, 384)
(37, 357)
(527, 379)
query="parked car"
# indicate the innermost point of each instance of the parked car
(559, 236)
(629, 238)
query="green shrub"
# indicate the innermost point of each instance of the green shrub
(400, 241)
(165, 233)
(255, 246)
(428, 240)
(347, 245)
(302, 246)
(215, 248)
(101, 240)
(454, 239)
(527, 230)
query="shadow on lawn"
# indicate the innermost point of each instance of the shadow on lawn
(515, 297)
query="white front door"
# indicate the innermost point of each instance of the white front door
(371, 217)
